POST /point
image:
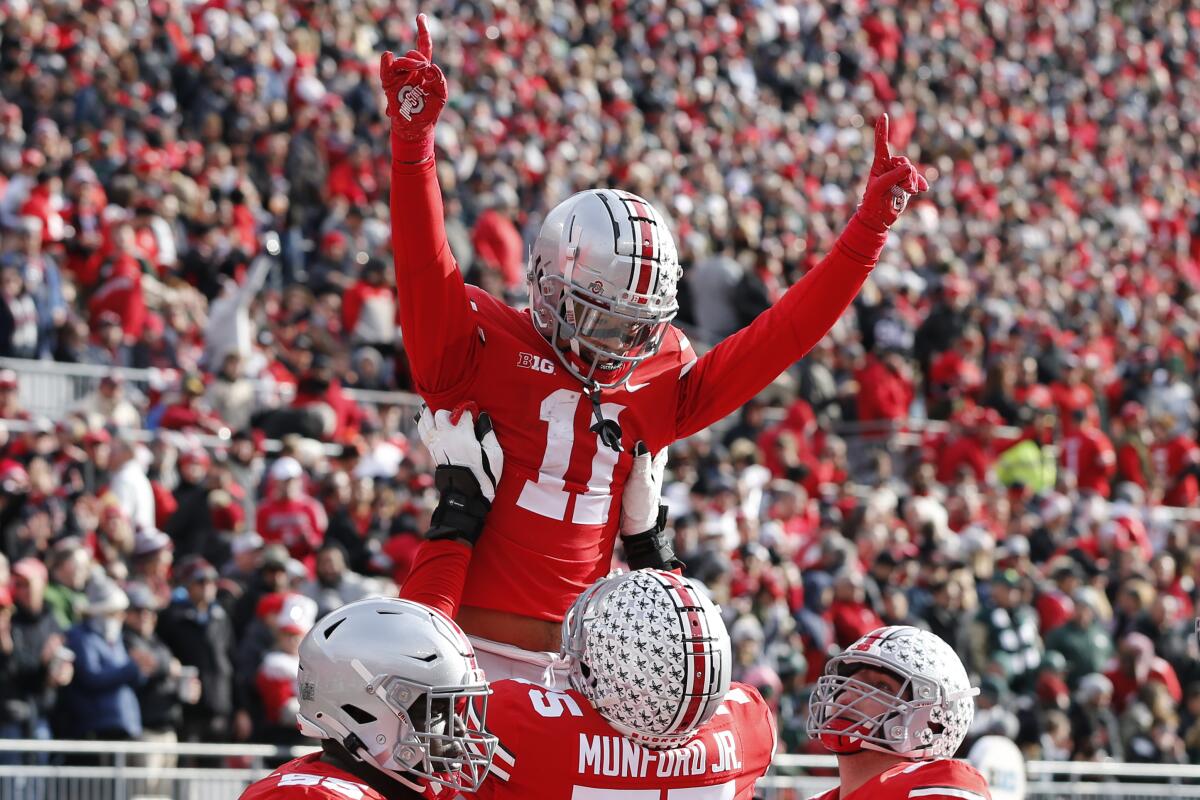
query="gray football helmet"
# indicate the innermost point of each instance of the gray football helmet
(603, 275)
(397, 684)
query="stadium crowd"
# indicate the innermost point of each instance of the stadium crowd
(199, 188)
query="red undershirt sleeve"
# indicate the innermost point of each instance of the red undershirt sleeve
(438, 575)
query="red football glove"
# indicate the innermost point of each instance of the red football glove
(416, 94)
(893, 179)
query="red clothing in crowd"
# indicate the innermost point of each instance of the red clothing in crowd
(369, 313)
(1068, 400)
(1172, 460)
(298, 524)
(883, 394)
(347, 413)
(498, 246)
(1126, 686)
(121, 293)
(851, 621)
(1088, 455)
(1131, 464)
(965, 451)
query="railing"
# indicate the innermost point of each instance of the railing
(53, 388)
(124, 776)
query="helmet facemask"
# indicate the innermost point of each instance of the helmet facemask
(849, 714)
(442, 737)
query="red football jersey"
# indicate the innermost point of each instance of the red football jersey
(552, 527)
(310, 778)
(555, 746)
(940, 779)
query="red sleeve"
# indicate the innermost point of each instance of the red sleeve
(740, 366)
(435, 313)
(438, 575)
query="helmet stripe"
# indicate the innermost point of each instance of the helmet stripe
(697, 662)
(645, 263)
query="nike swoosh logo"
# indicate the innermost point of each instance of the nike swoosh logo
(634, 387)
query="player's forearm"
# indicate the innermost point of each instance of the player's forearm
(431, 296)
(438, 575)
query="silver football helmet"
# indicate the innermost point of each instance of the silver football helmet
(650, 652)
(603, 275)
(396, 683)
(926, 718)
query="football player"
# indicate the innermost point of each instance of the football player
(591, 368)
(646, 656)
(393, 691)
(894, 708)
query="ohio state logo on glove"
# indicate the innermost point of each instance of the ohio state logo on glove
(411, 100)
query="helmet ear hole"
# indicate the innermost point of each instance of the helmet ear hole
(359, 715)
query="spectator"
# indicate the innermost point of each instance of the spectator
(290, 517)
(43, 665)
(110, 403)
(1093, 722)
(1137, 665)
(130, 486)
(231, 396)
(1084, 642)
(852, 618)
(335, 585)
(885, 390)
(102, 702)
(30, 669)
(69, 569)
(150, 563)
(198, 632)
(369, 309)
(276, 679)
(165, 686)
(191, 412)
(18, 316)
(1005, 639)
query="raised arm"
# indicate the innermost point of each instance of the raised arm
(469, 464)
(435, 315)
(741, 365)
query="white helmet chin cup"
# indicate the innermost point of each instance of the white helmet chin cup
(603, 275)
(650, 652)
(927, 718)
(396, 683)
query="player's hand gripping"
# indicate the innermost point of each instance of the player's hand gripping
(469, 464)
(643, 517)
(416, 94)
(893, 180)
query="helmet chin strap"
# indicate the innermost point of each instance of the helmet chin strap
(607, 429)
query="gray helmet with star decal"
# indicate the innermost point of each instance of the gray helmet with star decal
(927, 717)
(650, 652)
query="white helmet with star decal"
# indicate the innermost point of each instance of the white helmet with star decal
(926, 717)
(650, 652)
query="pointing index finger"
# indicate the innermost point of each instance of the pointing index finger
(882, 152)
(424, 39)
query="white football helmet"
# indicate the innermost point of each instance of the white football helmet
(396, 683)
(603, 275)
(650, 652)
(927, 718)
